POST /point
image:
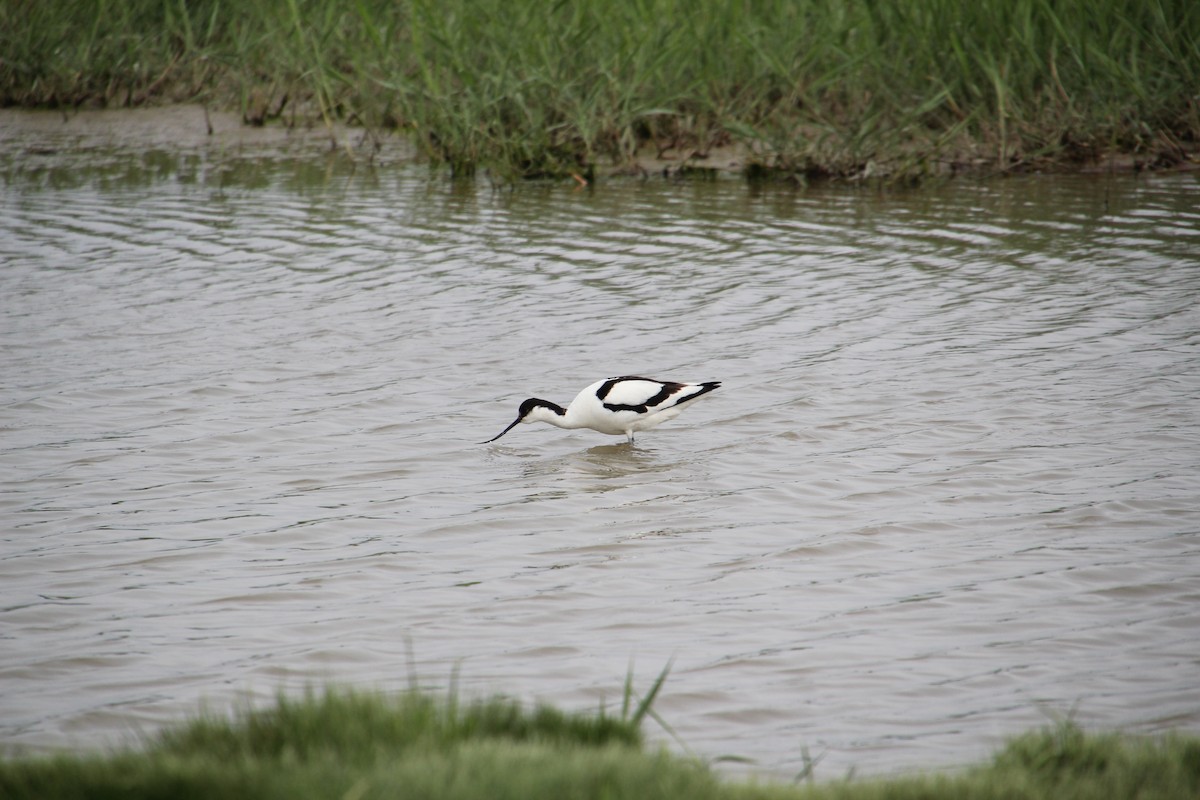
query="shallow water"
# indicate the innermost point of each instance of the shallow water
(947, 492)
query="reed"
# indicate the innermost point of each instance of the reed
(812, 87)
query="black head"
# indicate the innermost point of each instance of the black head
(523, 413)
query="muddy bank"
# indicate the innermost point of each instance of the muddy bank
(182, 127)
(31, 134)
(189, 127)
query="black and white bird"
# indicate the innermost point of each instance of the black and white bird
(615, 406)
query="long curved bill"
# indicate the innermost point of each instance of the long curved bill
(506, 430)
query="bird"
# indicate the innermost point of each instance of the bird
(615, 406)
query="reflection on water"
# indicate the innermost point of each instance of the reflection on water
(948, 487)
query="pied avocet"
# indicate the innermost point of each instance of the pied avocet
(615, 406)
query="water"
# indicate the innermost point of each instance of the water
(948, 491)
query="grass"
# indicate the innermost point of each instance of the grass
(358, 745)
(527, 88)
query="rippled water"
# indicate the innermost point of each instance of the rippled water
(948, 491)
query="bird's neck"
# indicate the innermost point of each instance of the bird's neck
(552, 413)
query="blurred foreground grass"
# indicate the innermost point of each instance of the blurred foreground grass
(344, 744)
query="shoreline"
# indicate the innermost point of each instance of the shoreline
(184, 127)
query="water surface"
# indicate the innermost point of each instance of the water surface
(947, 492)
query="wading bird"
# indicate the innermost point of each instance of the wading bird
(616, 406)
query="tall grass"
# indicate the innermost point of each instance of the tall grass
(838, 87)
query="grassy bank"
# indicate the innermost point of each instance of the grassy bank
(355, 745)
(844, 88)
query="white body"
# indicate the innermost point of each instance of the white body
(588, 411)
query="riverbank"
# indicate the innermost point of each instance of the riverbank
(361, 745)
(770, 88)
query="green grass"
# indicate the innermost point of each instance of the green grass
(528, 88)
(344, 744)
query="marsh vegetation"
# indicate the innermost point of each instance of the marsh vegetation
(807, 89)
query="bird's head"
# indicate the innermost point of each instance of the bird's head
(531, 410)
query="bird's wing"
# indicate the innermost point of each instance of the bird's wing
(643, 395)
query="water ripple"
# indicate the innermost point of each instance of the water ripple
(948, 482)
